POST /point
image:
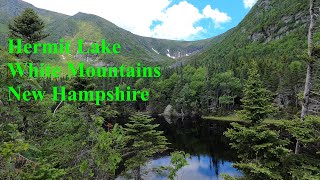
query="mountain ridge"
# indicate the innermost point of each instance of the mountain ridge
(265, 31)
(94, 28)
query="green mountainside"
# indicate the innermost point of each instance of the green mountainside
(274, 36)
(92, 28)
(12, 8)
(265, 31)
(274, 33)
(272, 29)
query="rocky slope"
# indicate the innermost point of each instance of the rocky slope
(271, 28)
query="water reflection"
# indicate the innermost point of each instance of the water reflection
(200, 167)
(210, 153)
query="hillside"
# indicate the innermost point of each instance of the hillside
(274, 35)
(265, 32)
(92, 28)
(266, 35)
(12, 8)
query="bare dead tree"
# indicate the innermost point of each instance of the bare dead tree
(310, 66)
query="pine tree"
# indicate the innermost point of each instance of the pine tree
(143, 142)
(261, 151)
(28, 27)
(257, 102)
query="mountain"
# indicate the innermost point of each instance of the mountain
(11, 8)
(92, 28)
(266, 32)
(274, 35)
(272, 29)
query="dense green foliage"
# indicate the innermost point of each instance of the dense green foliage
(144, 142)
(69, 144)
(58, 140)
(256, 100)
(219, 71)
(28, 27)
(52, 140)
(276, 41)
(263, 152)
(266, 154)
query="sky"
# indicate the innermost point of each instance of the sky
(165, 19)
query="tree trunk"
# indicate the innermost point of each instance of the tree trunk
(310, 68)
(307, 90)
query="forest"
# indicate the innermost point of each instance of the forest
(270, 86)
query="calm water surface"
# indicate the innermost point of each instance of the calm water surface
(210, 154)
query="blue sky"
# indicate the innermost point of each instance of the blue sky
(167, 19)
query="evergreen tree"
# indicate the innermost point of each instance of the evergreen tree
(257, 99)
(28, 27)
(305, 164)
(262, 152)
(143, 142)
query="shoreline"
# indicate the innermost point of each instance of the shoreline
(233, 118)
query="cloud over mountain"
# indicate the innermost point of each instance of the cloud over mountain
(249, 3)
(154, 18)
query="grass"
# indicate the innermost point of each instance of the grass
(231, 118)
(234, 118)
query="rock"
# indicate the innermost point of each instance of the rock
(168, 119)
(287, 19)
(257, 36)
(290, 22)
(168, 110)
(265, 4)
(283, 100)
(283, 30)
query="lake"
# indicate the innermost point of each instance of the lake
(210, 153)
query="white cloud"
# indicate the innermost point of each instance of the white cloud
(216, 16)
(249, 3)
(176, 22)
(134, 16)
